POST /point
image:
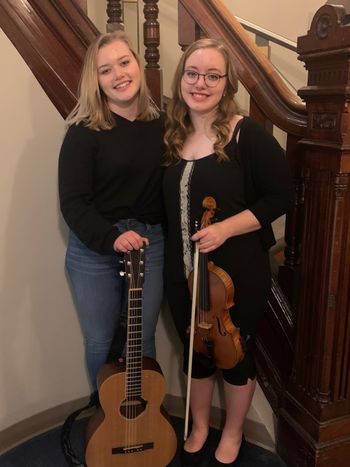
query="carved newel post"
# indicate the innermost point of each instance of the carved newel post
(314, 423)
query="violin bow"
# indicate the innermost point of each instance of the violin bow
(190, 352)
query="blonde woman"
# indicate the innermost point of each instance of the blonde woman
(214, 151)
(110, 171)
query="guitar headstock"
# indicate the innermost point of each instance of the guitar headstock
(134, 262)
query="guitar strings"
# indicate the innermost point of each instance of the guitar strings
(134, 343)
(129, 361)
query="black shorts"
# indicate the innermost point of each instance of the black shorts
(204, 367)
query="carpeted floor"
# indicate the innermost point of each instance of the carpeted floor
(45, 450)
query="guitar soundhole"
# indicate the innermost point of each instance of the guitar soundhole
(132, 407)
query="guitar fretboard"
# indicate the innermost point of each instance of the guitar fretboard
(134, 345)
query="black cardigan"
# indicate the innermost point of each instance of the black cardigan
(268, 182)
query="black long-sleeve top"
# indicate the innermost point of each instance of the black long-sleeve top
(108, 175)
(268, 182)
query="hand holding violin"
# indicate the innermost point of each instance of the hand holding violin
(215, 235)
(211, 237)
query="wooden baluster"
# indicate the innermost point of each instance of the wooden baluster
(188, 30)
(115, 21)
(288, 272)
(151, 38)
(254, 110)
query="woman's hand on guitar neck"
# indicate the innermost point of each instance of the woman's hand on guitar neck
(128, 241)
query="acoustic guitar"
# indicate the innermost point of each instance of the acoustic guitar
(131, 429)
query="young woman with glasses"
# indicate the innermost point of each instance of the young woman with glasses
(213, 151)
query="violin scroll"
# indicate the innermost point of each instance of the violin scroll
(209, 204)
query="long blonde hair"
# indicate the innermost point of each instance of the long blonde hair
(179, 124)
(92, 107)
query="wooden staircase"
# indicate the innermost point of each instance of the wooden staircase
(303, 350)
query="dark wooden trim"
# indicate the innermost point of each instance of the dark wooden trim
(275, 346)
(188, 30)
(52, 38)
(82, 4)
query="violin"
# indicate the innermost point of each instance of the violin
(215, 335)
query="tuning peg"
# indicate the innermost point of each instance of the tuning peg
(122, 273)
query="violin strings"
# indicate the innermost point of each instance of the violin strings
(203, 287)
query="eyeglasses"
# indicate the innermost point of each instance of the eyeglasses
(210, 79)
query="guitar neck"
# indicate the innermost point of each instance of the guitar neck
(134, 345)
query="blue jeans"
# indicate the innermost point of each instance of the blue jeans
(100, 293)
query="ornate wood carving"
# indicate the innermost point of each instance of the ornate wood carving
(115, 21)
(314, 424)
(52, 37)
(323, 121)
(151, 38)
(151, 33)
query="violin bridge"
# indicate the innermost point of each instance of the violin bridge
(205, 326)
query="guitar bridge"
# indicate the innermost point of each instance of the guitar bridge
(132, 449)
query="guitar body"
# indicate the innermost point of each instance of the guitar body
(130, 432)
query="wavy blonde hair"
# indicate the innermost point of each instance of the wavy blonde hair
(179, 125)
(92, 107)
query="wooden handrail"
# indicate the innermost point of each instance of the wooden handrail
(284, 108)
(52, 38)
